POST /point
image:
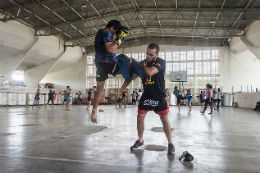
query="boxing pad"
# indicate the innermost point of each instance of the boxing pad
(125, 66)
(137, 68)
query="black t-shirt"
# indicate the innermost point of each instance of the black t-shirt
(89, 94)
(50, 95)
(154, 86)
(102, 55)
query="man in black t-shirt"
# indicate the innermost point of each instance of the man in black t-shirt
(154, 97)
(50, 98)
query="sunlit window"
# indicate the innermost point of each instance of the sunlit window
(18, 75)
(202, 65)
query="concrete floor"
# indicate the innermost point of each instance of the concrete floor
(64, 142)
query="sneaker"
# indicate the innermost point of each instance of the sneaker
(201, 112)
(171, 149)
(210, 113)
(136, 145)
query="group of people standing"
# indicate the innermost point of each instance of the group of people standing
(136, 95)
(181, 97)
(210, 97)
(52, 95)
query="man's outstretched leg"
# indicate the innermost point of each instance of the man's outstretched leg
(97, 96)
(168, 132)
(140, 129)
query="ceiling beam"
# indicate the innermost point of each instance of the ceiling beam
(157, 16)
(60, 17)
(38, 17)
(170, 41)
(122, 17)
(167, 27)
(139, 14)
(217, 17)
(95, 9)
(170, 34)
(239, 16)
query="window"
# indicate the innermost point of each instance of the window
(175, 56)
(183, 56)
(214, 69)
(18, 75)
(206, 54)
(206, 67)
(198, 55)
(198, 67)
(202, 66)
(190, 55)
(183, 66)
(168, 67)
(162, 55)
(128, 54)
(90, 59)
(215, 54)
(168, 56)
(91, 70)
(142, 56)
(190, 68)
(135, 56)
(176, 66)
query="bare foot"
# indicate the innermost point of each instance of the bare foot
(94, 116)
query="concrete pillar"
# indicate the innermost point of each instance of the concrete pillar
(34, 75)
(255, 50)
(10, 64)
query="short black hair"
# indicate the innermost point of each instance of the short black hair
(176, 87)
(209, 86)
(154, 46)
(115, 23)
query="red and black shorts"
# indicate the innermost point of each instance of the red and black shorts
(159, 106)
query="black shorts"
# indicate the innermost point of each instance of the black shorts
(50, 100)
(89, 98)
(159, 106)
(103, 69)
(179, 100)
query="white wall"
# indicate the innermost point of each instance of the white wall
(239, 70)
(39, 57)
(247, 100)
(73, 75)
(240, 65)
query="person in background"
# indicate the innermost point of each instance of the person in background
(215, 96)
(80, 97)
(189, 99)
(67, 97)
(37, 98)
(201, 98)
(178, 96)
(90, 96)
(139, 94)
(208, 101)
(218, 98)
(124, 99)
(134, 95)
(54, 96)
(257, 107)
(50, 98)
